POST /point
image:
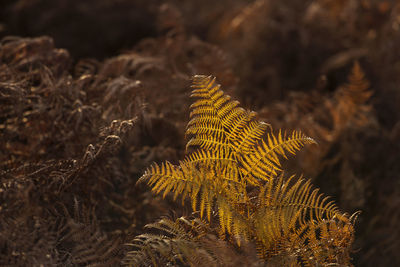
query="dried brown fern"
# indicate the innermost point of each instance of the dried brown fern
(188, 242)
(351, 109)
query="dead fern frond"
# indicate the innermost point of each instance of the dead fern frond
(352, 107)
(91, 245)
(186, 242)
(177, 242)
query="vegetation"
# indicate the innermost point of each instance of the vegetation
(94, 93)
(236, 176)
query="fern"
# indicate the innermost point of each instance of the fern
(233, 156)
(177, 242)
(185, 242)
(352, 108)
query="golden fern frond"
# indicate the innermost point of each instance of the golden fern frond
(239, 123)
(209, 141)
(294, 215)
(207, 157)
(249, 136)
(211, 97)
(204, 177)
(231, 164)
(217, 121)
(264, 162)
(204, 119)
(325, 243)
(165, 178)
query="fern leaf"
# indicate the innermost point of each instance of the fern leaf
(177, 243)
(284, 208)
(249, 137)
(264, 163)
(213, 115)
(208, 141)
(236, 153)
